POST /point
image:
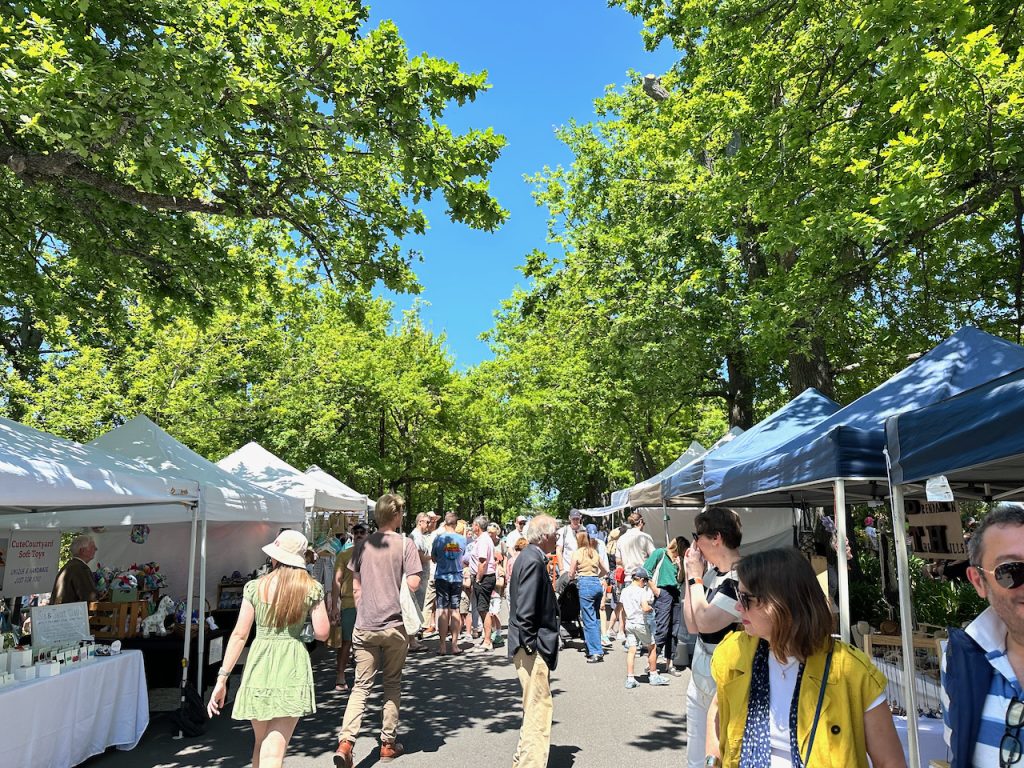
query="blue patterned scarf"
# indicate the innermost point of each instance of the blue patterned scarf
(756, 750)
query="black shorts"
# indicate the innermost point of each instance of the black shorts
(482, 589)
(448, 594)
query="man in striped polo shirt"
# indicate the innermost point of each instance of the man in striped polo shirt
(983, 721)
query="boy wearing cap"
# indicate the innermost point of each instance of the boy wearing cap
(638, 602)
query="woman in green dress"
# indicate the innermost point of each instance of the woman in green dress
(277, 683)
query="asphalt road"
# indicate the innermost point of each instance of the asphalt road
(458, 712)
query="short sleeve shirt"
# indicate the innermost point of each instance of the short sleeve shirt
(722, 590)
(632, 600)
(483, 549)
(448, 552)
(381, 561)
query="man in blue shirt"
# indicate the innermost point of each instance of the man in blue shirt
(983, 666)
(447, 553)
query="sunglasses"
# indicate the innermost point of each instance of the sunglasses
(1007, 575)
(746, 600)
(1010, 749)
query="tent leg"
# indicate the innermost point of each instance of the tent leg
(664, 517)
(841, 566)
(200, 651)
(188, 608)
(899, 533)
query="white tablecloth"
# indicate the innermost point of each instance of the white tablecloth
(929, 738)
(55, 722)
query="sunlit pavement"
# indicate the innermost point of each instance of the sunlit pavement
(459, 712)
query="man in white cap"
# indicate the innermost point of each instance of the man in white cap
(516, 533)
(567, 540)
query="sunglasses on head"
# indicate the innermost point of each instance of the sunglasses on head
(1007, 575)
(746, 600)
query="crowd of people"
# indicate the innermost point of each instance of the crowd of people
(782, 692)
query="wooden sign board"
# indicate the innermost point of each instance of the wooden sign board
(936, 532)
(64, 624)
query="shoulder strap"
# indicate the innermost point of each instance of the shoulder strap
(817, 710)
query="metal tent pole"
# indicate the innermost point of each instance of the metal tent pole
(188, 606)
(664, 517)
(841, 567)
(201, 651)
(899, 534)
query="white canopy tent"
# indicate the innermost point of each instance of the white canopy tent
(256, 464)
(50, 482)
(223, 498)
(333, 485)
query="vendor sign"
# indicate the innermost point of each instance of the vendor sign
(31, 562)
(65, 624)
(936, 532)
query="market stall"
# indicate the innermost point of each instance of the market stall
(973, 440)
(330, 483)
(235, 517)
(321, 498)
(840, 458)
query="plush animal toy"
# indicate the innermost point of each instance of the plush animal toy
(155, 623)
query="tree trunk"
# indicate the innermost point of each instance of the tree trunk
(809, 366)
(739, 390)
(1018, 287)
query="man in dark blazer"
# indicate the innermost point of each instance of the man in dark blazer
(533, 640)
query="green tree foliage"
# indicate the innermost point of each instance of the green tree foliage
(315, 376)
(817, 192)
(173, 150)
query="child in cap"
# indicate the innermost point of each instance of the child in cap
(638, 602)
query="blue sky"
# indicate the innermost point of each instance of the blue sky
(546, 62)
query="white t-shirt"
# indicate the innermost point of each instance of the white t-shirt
(782, 686)
(632, 600)
(513, 536)
(567, 541)
(633, 549)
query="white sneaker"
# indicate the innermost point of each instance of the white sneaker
(620, 636)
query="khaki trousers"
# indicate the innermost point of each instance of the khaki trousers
(538, 710)
(384, 650)
(430, 605)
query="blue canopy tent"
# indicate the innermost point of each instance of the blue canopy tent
(635, 494)
(801, 413)
(974, 440)
(683, 488)
(842, 456)
(848, 445)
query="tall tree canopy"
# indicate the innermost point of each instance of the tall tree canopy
(174, 148)
(813, 193)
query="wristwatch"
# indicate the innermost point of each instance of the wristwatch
(695, 580)
(712, 762)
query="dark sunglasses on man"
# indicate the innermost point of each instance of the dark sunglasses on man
(1007, 575)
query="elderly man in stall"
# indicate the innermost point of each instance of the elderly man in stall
(74, 582)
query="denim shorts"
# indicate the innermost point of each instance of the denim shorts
(448, 594)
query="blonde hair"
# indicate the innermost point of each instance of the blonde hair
(460, 527)
(584, 546)
(290, 601)
(389, 506)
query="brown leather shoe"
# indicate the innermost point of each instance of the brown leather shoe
(343, 755)
(389, 750)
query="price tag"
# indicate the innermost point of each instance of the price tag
(937, 489)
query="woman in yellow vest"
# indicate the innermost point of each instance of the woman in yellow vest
(788, 693)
